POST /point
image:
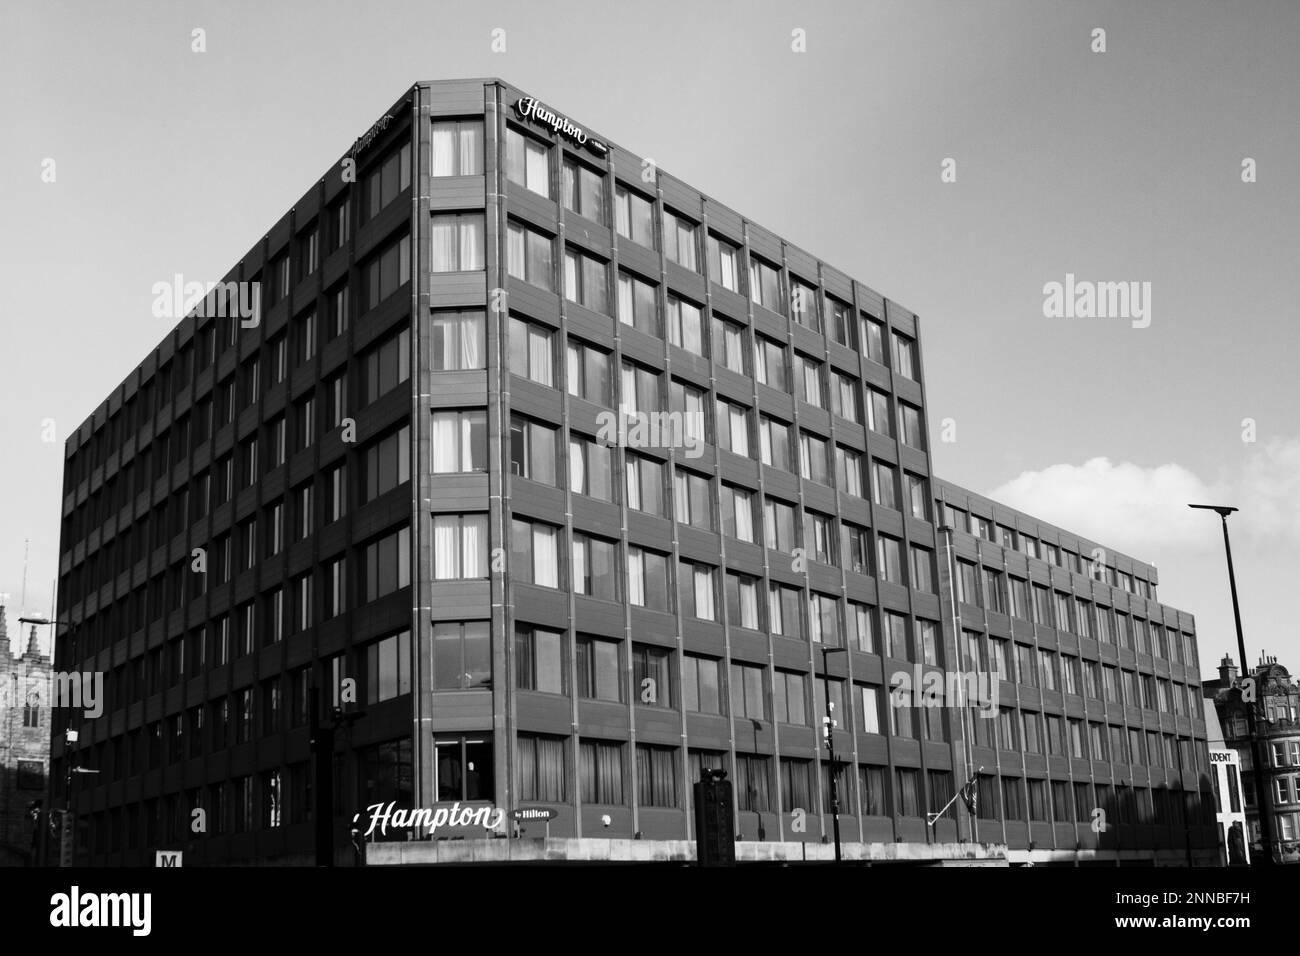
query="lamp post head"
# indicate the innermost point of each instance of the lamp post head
(1221, 510)
(35, 620)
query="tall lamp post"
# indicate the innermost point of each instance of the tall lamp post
(830, 742)
(1261, 793)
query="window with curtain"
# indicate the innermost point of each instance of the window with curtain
(877, 412)
(460, 546)
(458, 341)
(539, 763)
(861, 627)
(528, 256)
(645, 483)
(584, 191)
(738, 513)
(532, 449)
(457, 148)
(729, 344)
(634, 217)
(637, 304)
(909, 425)
(724, 261)
(805, 304)
(600, 772)
(459, 441)
(701, 687)
(656, 773)
(685, 325)
(594, 566)
(904, 356)
(652, 675)
(785, 611)
(692, 499)
(701, 760)
(588, 372)
(765, 285)
(796, 784)
(597, 666)
(535, 552)
(539, 659)
(647, 578)
(680, 241)
(640, 390)
(788, 698)
(528, 162)
(746, 691)
(532, 352)
(844, 397)
(779, 526)
(889, 561)
(585, 279)
(461, 656)
(590, 468)
(810, 380)
(813, 458)
(733, 427)
(774, 443)
(388, 563)
(456, 242)
(697, 584)
(819, 537)
(769, 363)
(687, 404)
(824, 619)
(753, 774)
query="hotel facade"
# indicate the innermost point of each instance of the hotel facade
(561, 482)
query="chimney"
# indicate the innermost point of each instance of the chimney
(1227, 672)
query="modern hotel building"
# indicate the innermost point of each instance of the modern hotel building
(409, 481)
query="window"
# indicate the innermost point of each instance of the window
(640, 390)
(894, 635)
(636, 303)
(774, 443)
(647, 578)
(594, 567)
(336, 493)
(692, 499)
(463, 769)
(598, 670)
(388, 668)
(785, 611)
(889, 559)
(724, 263)
(855, 548)
(905, 356)
(532, 449)
(921, 560)
(728, 344)
(388, 463)
(742, 601)
(769, 363)
(459, 441)
(884, 480)
(824, 619)
(388, 271)
(588, 373)
(528, 256)
(456, 242)
(304, 423)
(457, 148)
(458, 344)
(819, 537)
(747, 692)
(462, 655)
(583, 191)
(765, 285)
(645, 484)
(733, 427)
(687, 404)
(779, 526)
(388, 563)
(600, 772)
(685, 327)
(788, 698)
(702, 682)
(532, 353)
(585, 280)
(528, 163)
(539, 661)
(539, 762)
(391, 177)
(535, 553)
(633, 217)
(848, 470)
(460, 547)
(813, 461)
(388, 364)
(697, 584)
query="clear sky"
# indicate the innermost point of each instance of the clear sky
(1122, 165)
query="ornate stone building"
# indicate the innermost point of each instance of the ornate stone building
(24, 743)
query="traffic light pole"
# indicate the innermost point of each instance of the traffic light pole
(830, 747)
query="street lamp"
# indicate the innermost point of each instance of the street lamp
(1261, 795)
(830, 742)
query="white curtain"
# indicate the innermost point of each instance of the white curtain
(515, 252)
(466, 454)
(735, 346)
(627, 398)
(570, 276)
(578, 564)
(471, 243)
(443, 236)
(636, 576)
(539, 357)
(546, 571)
(471, 341)
(445, 459)
(691, 334)
(704, 593)
(474, 546)
(760, 367)
(744, 517)
(446, 547)
(577, 467)
(538, 171)
(573, 368)
(471, 149)
(739, 432)
(633, 485)
(693, 427)
(444, 149)
(625, 309)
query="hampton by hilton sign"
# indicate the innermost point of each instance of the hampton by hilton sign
(528, 108)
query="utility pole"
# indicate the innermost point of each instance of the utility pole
(829, 721)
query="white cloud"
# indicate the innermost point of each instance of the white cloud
(1143, 511)
(1136, 510)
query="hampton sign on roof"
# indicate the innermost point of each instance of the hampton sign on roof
(528, 108)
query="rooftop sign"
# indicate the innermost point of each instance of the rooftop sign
(528, 108)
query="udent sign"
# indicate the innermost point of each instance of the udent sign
(528, 108)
